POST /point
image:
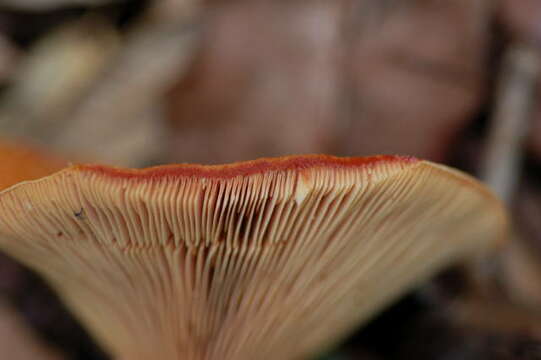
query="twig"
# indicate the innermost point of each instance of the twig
(511, 121)
(503, 156)
(483, 306)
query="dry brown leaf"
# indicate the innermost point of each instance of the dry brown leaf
(343, 77)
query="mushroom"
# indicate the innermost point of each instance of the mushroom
(20, 162)
(266, 259)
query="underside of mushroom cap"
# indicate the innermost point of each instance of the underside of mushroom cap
(269, 259)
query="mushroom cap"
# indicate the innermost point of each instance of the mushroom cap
(20, 162)
(267, 259)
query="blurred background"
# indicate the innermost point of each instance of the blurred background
(144, 82)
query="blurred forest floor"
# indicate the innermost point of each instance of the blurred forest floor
(141, 82)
